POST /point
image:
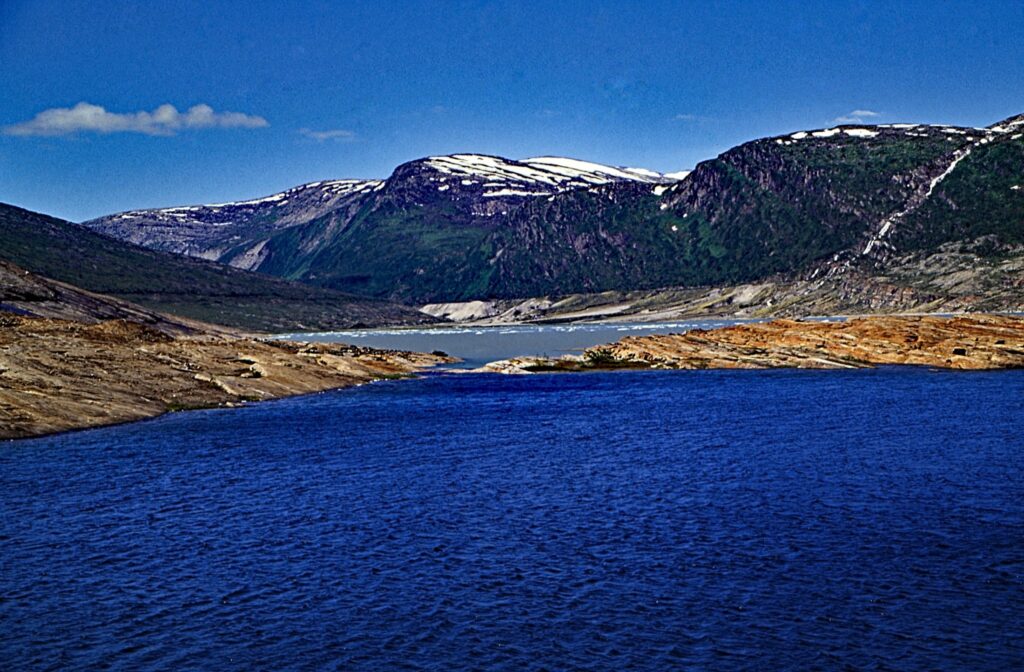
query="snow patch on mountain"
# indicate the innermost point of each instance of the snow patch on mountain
(513, 192)
(860, 132)
(537, 176)
(644, 172)
(592, 172)
(1008, 126)
(320, 191)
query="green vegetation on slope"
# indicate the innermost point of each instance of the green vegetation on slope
(983, 196)
(180, 285)
(420, 253)
(782, 206)
(776, 206)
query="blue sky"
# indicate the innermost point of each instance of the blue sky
(334, 89)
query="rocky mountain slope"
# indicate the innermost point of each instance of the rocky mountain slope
(954, 277)
(170, 283)
(215, 231)
(423, 232)
(803, 206)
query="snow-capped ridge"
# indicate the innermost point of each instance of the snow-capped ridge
(536, 176)
(592, 172)
(908, 130)
(1014, 123)
(332, 187)
(324, 189)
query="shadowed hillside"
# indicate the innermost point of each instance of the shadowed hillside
(180, 285)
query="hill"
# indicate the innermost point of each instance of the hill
(29, 295)
(170, 283)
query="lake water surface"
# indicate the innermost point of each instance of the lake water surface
(772, 520)
(477, 346)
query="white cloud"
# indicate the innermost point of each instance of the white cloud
(685, 117)
(164, 120)
(856, 117)
(336, 134)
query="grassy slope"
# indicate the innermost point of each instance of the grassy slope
(179, 285)
(779, 208)
(977, 199)
(417, 253)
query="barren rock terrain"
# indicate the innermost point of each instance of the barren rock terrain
(964, 342)
(58, 375)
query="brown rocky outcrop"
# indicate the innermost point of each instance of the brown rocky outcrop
(57, 375)
(962, 342)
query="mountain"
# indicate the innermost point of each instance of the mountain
(980, 193)
(801, 205)
(420, 234)
(215, 231)
(234, 232)
(170, 283)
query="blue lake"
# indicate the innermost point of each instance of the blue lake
(776, 520)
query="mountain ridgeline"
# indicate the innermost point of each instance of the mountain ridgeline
(58, 269)
(467, 226)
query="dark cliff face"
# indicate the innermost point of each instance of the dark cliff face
(785, 205)
(779, 204)
(472, 226)
(588, 240)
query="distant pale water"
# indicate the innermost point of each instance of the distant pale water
(777, 520)
(477, 346)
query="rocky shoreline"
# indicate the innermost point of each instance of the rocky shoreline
(974, 342)
(59, 375)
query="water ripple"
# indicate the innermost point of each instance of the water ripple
(650, 521)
